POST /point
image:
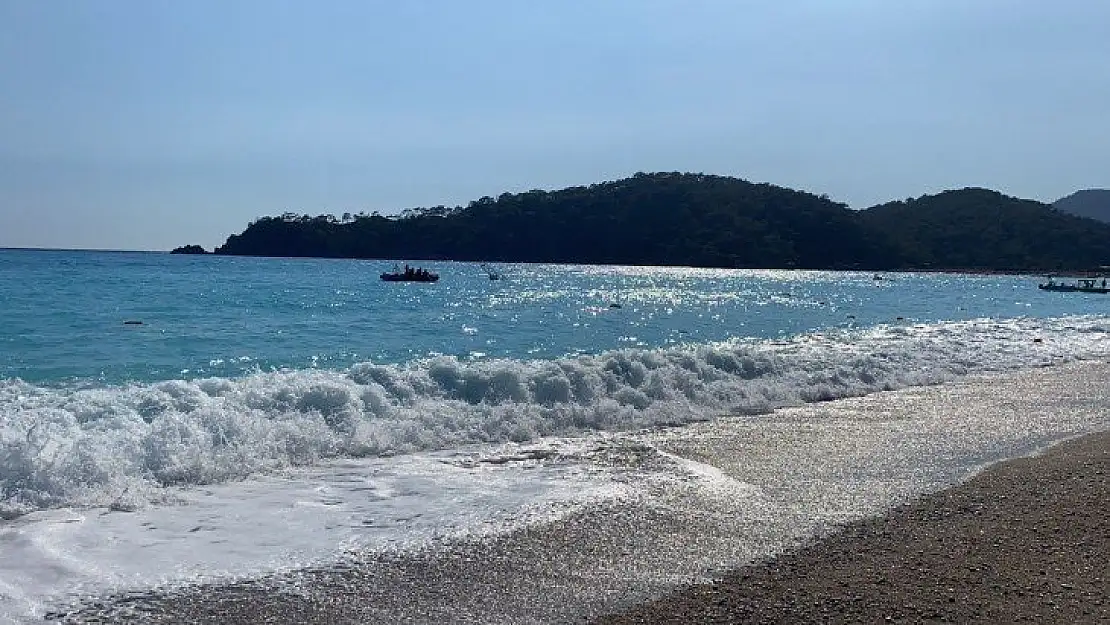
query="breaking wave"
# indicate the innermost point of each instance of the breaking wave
(121, 445)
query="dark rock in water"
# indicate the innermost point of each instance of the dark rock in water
(189, 249)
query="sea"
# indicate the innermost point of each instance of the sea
(168, 420)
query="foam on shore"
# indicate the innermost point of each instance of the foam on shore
(129, 446)
(693, 501)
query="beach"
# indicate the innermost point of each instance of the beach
(1024, 539)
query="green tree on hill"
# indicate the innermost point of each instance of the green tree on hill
(701, 220)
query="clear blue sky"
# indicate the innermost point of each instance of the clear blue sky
(146, 124)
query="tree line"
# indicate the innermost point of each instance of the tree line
(704, 221)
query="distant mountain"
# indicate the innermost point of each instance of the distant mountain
(1093, 203)
(982, 229)
(706, 221)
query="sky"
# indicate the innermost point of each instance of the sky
(148, 124)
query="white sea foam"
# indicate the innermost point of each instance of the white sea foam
(120, 446)
(266, 524)
(724, 492)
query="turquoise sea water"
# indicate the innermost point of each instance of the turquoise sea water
(63, 313)
(245, 366)
(270, 414)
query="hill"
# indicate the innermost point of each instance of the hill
(702, 220)
(1093, 203)
(649, 219)
(982, 229)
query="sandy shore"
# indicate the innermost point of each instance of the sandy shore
(1026, 541)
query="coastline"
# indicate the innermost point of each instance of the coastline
(603, 560)
(1026, 540)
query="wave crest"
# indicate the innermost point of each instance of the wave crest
(104, 446)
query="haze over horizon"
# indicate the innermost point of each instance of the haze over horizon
(133, 125)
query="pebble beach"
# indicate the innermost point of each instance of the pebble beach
(1024, 542)
(1021, 540)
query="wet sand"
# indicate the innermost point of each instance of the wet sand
(1025, 540)
(1028, 540)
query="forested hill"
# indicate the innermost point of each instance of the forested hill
(649, 219)
(701, 220)
(983, 229)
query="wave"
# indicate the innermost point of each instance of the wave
(122, 445)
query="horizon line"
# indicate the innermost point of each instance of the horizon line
(5, 248)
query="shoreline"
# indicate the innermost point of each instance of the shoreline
(830, 466)
(983, 551)
(1025, 540)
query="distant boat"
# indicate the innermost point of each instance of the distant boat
(1081, 285)
(409, 274)
(491, 272)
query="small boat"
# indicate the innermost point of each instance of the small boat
(491, 272)
(1081, 285)
(409, 274)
